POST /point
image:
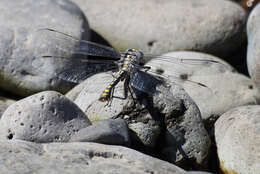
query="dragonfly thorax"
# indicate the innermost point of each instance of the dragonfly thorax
(134, 56)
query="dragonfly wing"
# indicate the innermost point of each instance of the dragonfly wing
(72, 70)
(143, 81)
(82, 72)
(182, 69)
(184, 64)
(178, 78)
(75, 46)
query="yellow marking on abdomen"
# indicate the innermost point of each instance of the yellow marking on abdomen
(105, 96)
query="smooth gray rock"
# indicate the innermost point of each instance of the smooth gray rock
(237, 136)
(44, 117)
(96, 110)
(107, 131)
(74, 92)
(4, 103)
(22, 43)
(81, 158)
(197, 172)
(253, 48)
(158, 27)
(90, 93)
(168, 105)
(225, 88)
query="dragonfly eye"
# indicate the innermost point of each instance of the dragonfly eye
(132, 50)
(137, 55)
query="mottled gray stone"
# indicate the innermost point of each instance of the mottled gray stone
(107, 131)
(237, 136)
(225, 88)
(146, 133)
(4, 103)
(44, 117)
(187, 140)
(81, 158)
(253, 48)
(22, 44)
(168, 105)
(161, 26)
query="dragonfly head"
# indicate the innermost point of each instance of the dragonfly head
(137, 56)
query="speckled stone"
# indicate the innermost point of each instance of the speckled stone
(44, 117)
(81, 158)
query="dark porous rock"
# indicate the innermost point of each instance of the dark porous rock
(80, 158)
(224, 89)
(44, 117)
(4, 103)
(164, 106)
(107, 131)
(253, 48)
(22, 69)
(158, 27)
(187, 141)
(237, 137)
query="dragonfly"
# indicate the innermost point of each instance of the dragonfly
(129, 64)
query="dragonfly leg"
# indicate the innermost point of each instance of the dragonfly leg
(129, 88)
(131, 92)
(111, 96)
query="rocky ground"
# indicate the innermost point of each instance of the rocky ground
(200, 116)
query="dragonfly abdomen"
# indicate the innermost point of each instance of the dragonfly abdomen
(106, 94)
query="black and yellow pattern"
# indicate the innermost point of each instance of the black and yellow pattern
(106, 94)
(122, 74)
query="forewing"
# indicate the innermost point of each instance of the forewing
(75, 46)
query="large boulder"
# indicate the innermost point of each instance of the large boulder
(22, 43)
(70, 158)
(158, 27)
